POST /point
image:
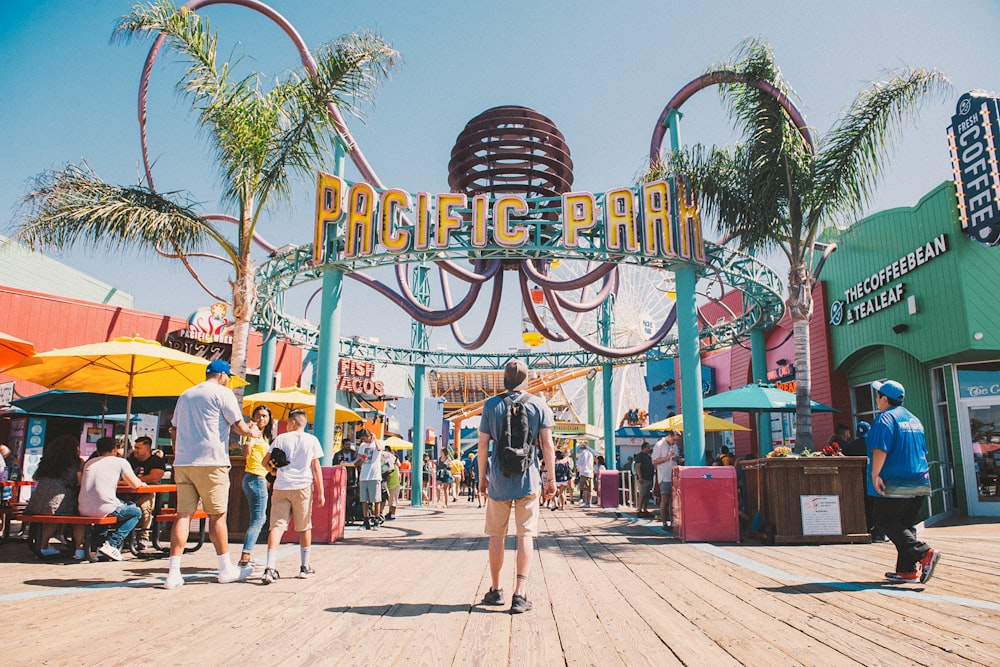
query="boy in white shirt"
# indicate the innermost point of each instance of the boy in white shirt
(296, 472)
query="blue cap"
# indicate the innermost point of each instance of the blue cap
(863, 428)
(890, 389)
(218, 366)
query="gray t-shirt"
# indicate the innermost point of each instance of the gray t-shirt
(99, 484)
(516, 486)
(203, 416)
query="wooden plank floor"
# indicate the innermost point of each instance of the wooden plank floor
(607, 591)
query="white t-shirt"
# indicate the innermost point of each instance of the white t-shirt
(99, 484)
(585, 463)
(663, 448)
(301, 448)
(372, 467)
(203, 416)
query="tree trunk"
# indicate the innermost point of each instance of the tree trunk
(244, 303)
(800, 310)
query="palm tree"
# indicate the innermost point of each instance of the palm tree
(775, 191)
(259, 139)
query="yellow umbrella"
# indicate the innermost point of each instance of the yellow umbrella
(283, 400)
(676, 423)
(13, 350)
(397, 443)
(127, 366)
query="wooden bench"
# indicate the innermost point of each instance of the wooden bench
(169, 515)
(36, 521)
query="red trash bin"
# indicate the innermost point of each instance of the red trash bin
(705, 505)
(327, 521)
(609, 488)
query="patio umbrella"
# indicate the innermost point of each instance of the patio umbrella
(13, 350)
(89, 404)
(127, 366)
(759, 398)
(397, 443)
(283, 400)
(712, 423)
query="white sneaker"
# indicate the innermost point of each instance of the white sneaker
(173, 580)
(233, 573)
(111, 552)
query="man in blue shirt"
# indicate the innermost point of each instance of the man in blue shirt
(899, 481)
(517, 491)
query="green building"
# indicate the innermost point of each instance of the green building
(913, 299)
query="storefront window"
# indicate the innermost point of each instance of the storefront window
(979, 393)
(863, 399)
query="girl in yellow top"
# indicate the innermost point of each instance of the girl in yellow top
(255, 479)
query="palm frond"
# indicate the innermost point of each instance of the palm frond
(72, 205)
(854, 152)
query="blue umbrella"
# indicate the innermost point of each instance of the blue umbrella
(67, 403)
(759, 397)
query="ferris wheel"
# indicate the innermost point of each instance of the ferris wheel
(643, 301)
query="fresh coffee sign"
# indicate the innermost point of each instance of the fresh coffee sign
(972, 139)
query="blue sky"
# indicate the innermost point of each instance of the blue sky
(601, 70)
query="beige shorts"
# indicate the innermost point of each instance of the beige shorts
(525, 516)
(294, 503)
(209, 483)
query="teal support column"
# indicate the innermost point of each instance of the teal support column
(326, 363)
(325, 419)
(267, 354)
(607, 376)
(609, 420)
(591, 401)
(758, 362)
(689, 354)
(416, 478)
(419, 340)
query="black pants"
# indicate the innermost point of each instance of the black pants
(897, 518)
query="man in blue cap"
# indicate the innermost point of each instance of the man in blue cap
(899, 481)
(202, 420)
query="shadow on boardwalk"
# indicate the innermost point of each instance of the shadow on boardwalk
(607, 590)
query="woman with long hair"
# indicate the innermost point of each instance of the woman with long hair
(255, 479)
(443, 477)
(57, 489)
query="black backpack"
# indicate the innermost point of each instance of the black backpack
(515, 442)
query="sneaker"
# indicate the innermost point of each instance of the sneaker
(270, 575)
(173, 580)
(305, 572)
(114, 553)
(233, 573)
(879, 537)
(519, 604)
(140, 545)
(79, 554)
(927, 564)
(902, 577)
(391, 517)
(493, 597)
(368, 524)
(51, 551)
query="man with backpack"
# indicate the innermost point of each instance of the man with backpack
(518, 424)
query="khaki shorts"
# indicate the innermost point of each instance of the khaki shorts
(209, 483)
(525, 516)
(294, 503)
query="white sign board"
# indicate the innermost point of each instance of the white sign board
(6, 393)
(820, 515)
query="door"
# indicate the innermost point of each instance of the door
(981, 455)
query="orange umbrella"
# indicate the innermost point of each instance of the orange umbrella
(12, 350)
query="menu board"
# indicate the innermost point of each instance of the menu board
(820, 515)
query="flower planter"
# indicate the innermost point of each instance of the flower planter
(807, 500)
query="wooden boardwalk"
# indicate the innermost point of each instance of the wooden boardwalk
(607, 591)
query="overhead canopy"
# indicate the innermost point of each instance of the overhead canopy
(13, 350)
(397, 443)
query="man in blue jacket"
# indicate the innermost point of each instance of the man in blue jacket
(899, 481)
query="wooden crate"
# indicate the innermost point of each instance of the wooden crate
(779, 488)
